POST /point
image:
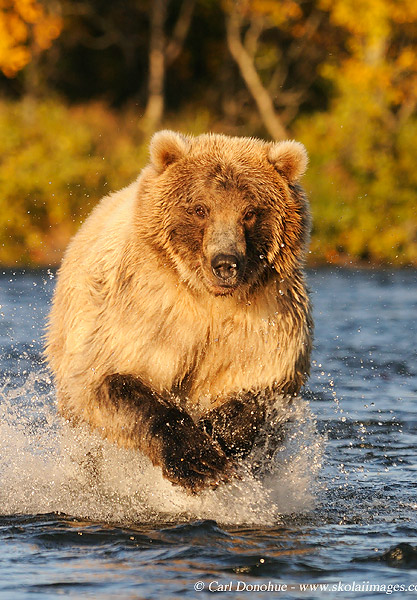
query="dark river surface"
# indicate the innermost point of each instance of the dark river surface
(335, 517)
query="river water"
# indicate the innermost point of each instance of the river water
(337, 508)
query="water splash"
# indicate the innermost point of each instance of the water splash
(48, 466)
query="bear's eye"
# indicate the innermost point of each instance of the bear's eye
(249, 215)
(200, 211)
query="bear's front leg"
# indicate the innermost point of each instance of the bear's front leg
(235, 424)
(165, 433)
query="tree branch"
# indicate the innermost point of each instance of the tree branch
(182, 26)
(252, 80)
(155, 106)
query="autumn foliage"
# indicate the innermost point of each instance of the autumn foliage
(83, 87)
(26, 28)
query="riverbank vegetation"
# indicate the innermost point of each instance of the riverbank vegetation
(84, 85)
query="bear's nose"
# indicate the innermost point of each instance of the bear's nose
(225, 267)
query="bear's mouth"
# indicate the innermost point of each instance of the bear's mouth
(221, 288)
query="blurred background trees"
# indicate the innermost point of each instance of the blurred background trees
(84, 83)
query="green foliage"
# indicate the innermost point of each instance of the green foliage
(363, 184)
(363, 180)
(55, 163)
(354, 59)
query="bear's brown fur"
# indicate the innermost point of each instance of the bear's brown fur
(180, 305)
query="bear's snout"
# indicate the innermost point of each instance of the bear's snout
(224, 252)
(226, 268)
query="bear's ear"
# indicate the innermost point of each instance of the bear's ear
(167, 147)
(289, 158)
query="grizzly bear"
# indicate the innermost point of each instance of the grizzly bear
(180, 310)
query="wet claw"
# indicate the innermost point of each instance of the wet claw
(194, 461)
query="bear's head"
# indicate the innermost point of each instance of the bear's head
(226, 211)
